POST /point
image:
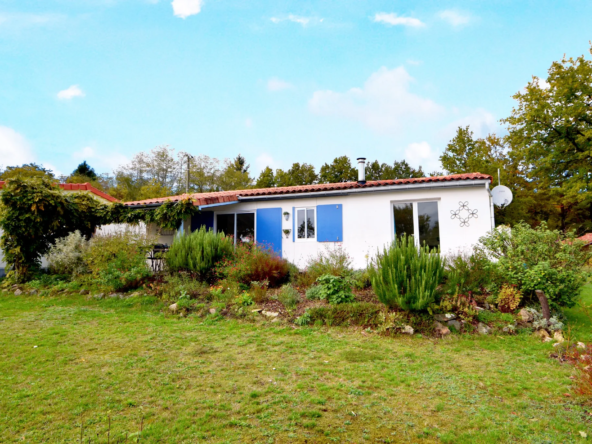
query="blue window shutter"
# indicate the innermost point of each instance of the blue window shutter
(330, 223)
(269, 229)
(293, 224)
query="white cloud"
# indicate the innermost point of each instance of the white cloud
(480, 121)
(100, 161)
(274, 84)
(394, 20)
(14, 148)
(421, 154)
(265, 160)
(70, 93)
(85, 153)
(455, 18)
(543, 84)
(304, 21)
(186, 8)
(384, 103)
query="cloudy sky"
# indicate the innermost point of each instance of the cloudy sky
(278, 81)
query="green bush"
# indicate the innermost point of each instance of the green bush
(251, 263)
(537, 259)
(314, 293)
(289, 296)
(362, 314)
(118, 260)
(466, 273)
(360, 279)
(335, 289)
(199, 252)
(406, 276)
(66, 255)
(333, 261)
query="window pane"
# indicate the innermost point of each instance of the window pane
(310, 224)
(301, 224)
(429, 226)
(245, 227)
(403, 219)
(225, 224)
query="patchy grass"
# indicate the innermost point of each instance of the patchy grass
(579, 318)
(65, 359)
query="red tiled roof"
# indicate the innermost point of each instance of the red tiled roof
(586, 238)
(232, 196)
(79, 187)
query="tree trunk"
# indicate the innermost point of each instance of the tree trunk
(544, 304)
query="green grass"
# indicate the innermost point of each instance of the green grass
(215, 380)
(580, 319)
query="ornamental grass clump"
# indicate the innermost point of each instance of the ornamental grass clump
(406, 276)
(66, 255)
(199, 252)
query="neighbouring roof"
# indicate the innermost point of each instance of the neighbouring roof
(586, 238)
(79, 187)
(219, 197)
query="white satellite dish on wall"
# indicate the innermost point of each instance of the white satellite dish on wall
(501, 196)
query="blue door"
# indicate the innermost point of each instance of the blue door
(269, 229)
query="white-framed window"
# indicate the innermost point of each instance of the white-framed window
(419, 219)
(241, 226)
(306, 224)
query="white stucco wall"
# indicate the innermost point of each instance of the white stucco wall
(368, 222)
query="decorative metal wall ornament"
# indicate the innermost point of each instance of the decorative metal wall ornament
(464, 213)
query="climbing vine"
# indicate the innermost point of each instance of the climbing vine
(34, 213)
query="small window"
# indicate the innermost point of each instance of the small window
(305, 223)
(418, 219)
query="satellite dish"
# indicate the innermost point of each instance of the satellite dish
(501, 196)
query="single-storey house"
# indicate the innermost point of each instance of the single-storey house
(450, 212)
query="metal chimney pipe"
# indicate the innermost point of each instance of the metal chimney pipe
(361, 170)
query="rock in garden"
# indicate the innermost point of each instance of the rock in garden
(257, 310)
(440, 329)
(173, 308)
(483, 329)
(212, 311)
(33, 292)
(558, 336)
(525, 315)
(17, 292)
(270, 314)
(408, 330)
(541, 334)
(457, 325)
(445, 317)
(99, 296)
(83, 292)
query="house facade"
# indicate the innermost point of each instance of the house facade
(450, 212)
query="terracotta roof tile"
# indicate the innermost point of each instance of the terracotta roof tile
(79, 187)
(230, 196)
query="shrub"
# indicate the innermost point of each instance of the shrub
(335, 262)
(537, 259)
(289, 296)
(199, 252)
(314, 293)
(174, 285)
(406, 276)
(508, 299)
(254, 263)
(362, 314)
(259, 291)
(118, 260)
(466, 273)
(360, 279)
(462, 305)
(335, 289)
(66, 255)
(304, 319)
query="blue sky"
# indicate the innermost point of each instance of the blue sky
(278, 81)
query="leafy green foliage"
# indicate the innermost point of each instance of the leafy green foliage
(399, 170)
(406, 276)
(508, 299)
(303, 319)
(199, 252)
(289, 296)
(27, 171)
(334, 289)
(118, 260)
(362, 314)
(315, 292)
(251, 262)
(334, 261)
(340, 170)
(466, 273)
(537, 259)
(66, 255)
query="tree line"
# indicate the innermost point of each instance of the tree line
(545, 159)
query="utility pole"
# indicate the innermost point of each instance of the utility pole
(189, 157)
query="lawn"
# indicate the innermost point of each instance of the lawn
(67, 360)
